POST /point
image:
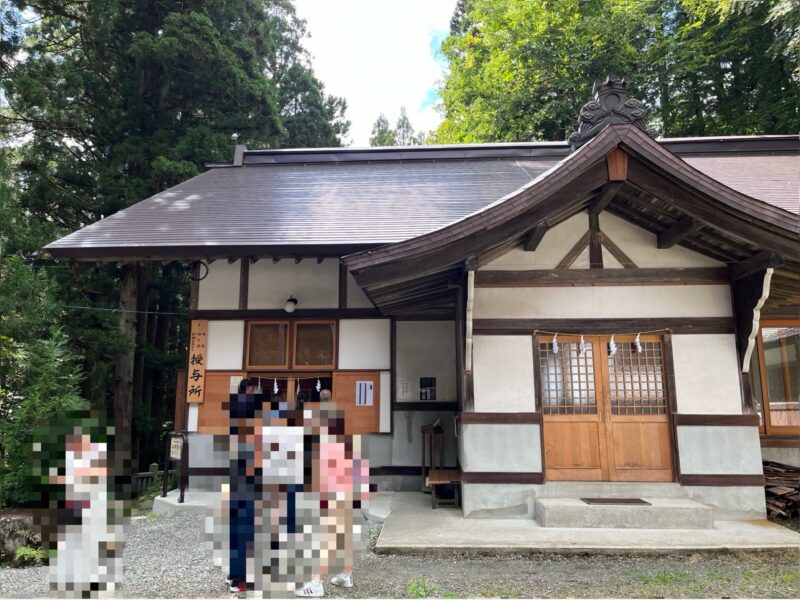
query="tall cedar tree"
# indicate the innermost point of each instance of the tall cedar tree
(520, 69)
(115, 100)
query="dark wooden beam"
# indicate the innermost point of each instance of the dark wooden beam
(279, 313)
(602, 277)
(535, 236)
(515, 418)
(749, 420)
(604, 326)
(342, 285)
(595, 249)
(759, 262)
(244, 284)
(679, 231)
(616, 252)
(607, 194)
(574, 252)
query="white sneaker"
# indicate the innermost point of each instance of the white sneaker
(343, 580)
(312, 589)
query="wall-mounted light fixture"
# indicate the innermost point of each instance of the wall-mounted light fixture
(291, 304)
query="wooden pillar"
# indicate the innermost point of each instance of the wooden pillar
(123, 372)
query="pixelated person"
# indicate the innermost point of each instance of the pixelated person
(245, 410)
(341, 477)
(86, 554)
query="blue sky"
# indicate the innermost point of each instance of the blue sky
(379, 55)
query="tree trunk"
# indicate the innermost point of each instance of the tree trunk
(123, 373)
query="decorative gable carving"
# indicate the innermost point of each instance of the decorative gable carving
(610, 105)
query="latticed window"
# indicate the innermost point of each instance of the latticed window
(636, 379)
(573, 378)
(568, 383)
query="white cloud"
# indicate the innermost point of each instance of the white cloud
(377, 55)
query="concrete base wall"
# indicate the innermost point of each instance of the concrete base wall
(498, 501)
(710, 450)
(501, 448)
(787, 456)
(733, 502)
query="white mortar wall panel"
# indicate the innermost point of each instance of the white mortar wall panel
(385, 417)
(501, 448)
(220, 288)
(315, 285)
(365, 344)
(710, 450)
(225, 345)
(407, 439)
(503, 373)
(377, 449)
(603, 302)
(426, 349)
(192, 415)
(356, 298)
(554, 246)
(641, 246)
(706, 374)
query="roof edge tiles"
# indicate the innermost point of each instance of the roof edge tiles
(761, 144)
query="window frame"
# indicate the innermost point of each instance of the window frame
(334, 349)
(248, 329)
(766, 427)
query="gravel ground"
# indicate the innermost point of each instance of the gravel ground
(167, 557)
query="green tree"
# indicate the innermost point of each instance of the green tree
(521, 69)
(113, 101)
(382, 134)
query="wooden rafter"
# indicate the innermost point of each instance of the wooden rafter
(607, 194)
(574, 252)
(759, 262)
(535, 236)
(678, 232)
(616, 252)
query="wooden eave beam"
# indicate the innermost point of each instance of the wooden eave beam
(678, 232)
(607, 194)
(535, 236)
(759, 262)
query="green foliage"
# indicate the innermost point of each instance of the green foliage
(403, 133)
(420, 588)
(26, 556)
(521, 69)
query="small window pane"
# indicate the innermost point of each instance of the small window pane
(567, 379)
(782, 369)
(636, 380)
(314, 344)
(268, 344)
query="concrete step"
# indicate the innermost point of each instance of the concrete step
(610, 489)
(663, 513)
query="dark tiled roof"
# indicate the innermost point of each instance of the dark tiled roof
(359, 198)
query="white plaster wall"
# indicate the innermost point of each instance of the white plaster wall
(603, 302)
(364, 344)
(192, 415)
(407, 438)
(498, 501)
(787, 456)
(356, 298)
(503, 373)
(314, 285)
(638, 244)
(377, 449)
(220, 288)
(712, 450)
(225, 345)
(554, 246)
(385, 417)
(706, 374)
(505, 448)
(426, 349)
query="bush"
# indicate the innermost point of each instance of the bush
(25, 556)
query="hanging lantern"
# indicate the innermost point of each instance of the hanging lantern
(555, 344)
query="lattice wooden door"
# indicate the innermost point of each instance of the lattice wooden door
(605, 417)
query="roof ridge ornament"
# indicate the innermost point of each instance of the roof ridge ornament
(611, 105)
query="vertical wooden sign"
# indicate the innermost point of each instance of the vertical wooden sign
(196, 373)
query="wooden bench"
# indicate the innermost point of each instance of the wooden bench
(439, 477)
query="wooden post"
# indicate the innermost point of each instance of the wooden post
(123, 372)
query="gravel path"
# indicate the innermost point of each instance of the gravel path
(167, 557)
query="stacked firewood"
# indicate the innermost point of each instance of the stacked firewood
(783, 490)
